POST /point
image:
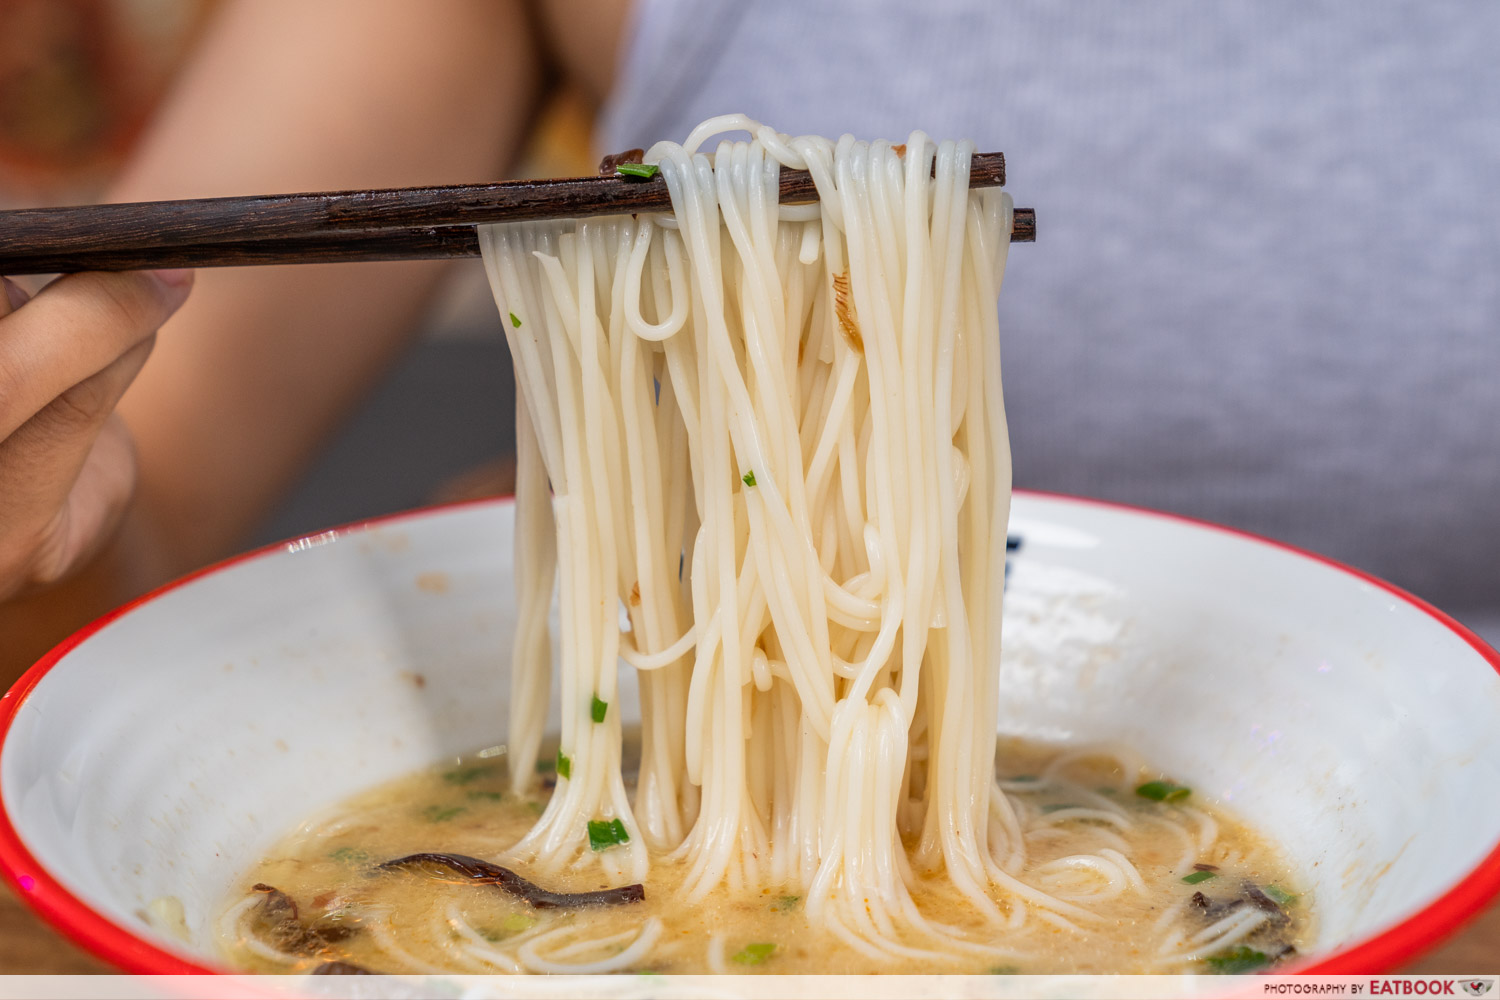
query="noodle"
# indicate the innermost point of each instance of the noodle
(784, 424)
(774, 438)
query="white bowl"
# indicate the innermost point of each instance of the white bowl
(157, 752)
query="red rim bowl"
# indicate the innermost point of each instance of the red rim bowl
(103, 938)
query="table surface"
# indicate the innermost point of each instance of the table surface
(29, 946)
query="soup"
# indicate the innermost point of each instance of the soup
(1194, 888)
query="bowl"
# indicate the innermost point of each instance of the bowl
(156, 753)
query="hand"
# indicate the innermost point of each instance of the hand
(67, 463)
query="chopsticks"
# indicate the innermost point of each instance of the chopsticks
(421, 223)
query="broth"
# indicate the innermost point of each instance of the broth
(1213, 895)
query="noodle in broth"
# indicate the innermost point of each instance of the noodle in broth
(774, 435)
(1092, 842)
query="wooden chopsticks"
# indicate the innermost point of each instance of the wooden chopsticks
(396, 224)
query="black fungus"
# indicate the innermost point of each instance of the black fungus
(279, 919)
(1258, 899)
(477, 872)
(1270, 940)
(342, 969)
(612, 161)
(1214, 909)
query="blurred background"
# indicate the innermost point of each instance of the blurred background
(79, 78)
(78, 81)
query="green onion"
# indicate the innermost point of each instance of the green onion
(515, 321)
(645, 171)
(350, 856)
(598, 709)
(754, 954)
(1237, 961)
(1163, 791)
(465, 775)
(1024, 777)
(517, 922)
(749, 478)
(1280, 895)
(442, 814)
(564, 765)
(1053, 807)
(1197, 877)
(607, 833)
(513, 923)
(543, 766)
(785, 904)
(480, 793)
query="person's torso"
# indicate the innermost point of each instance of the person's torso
(1266, 287)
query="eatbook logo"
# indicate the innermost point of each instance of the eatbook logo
(1478, 987)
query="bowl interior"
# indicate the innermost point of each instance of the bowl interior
(161, 753)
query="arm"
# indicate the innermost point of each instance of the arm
(262, 364)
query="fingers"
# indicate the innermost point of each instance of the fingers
(75, 328)
(14, 298)
(67, 466)
(87, 518)
(78, 411)
(66, 475)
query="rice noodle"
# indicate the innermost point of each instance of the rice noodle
(775, 436)
(476, 947)
(645, 939)
(1222, 934)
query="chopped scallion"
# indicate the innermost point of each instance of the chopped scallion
(645, 171)
(515, 321)
(442, 814)
(598, 709)
(1163, 791)
(1280, 895)
(786, 904)
(1053, 807)
(564, 765)
(1197, 877)
(749, 478)
(350, 856)
(754, 954)
(1237, 961)
(606, 833)
(479, 793)
(467, 775)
